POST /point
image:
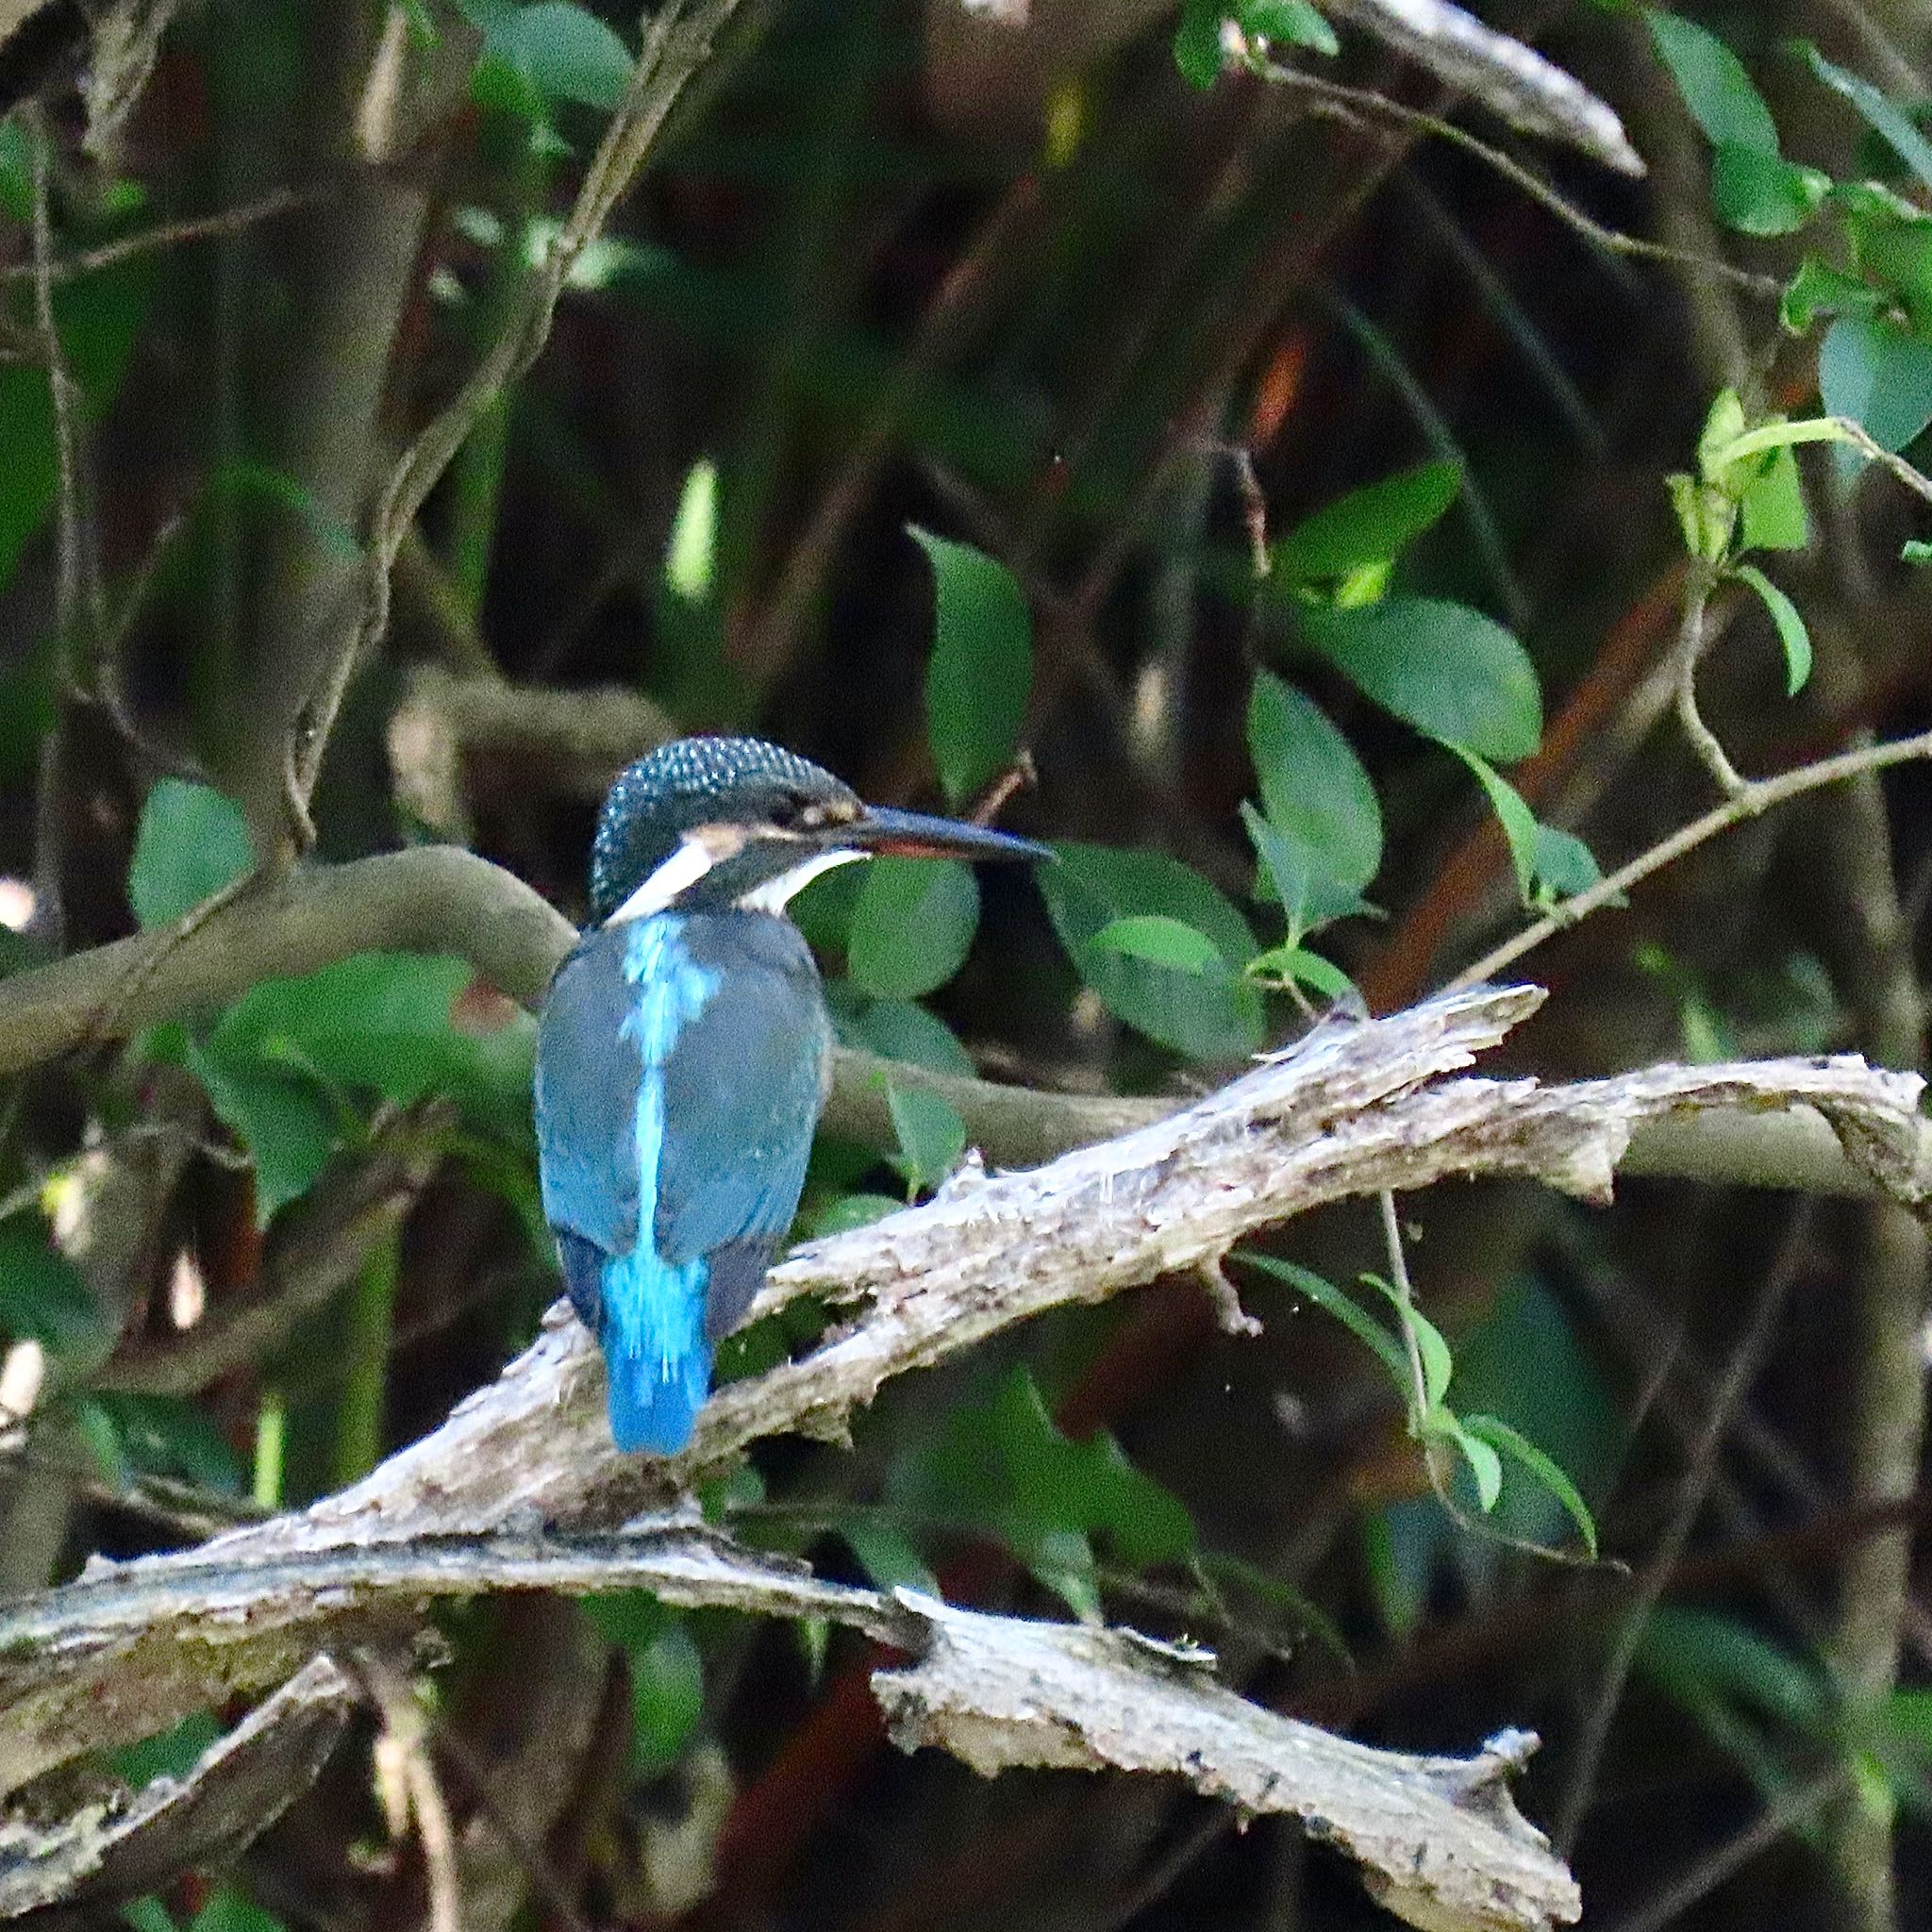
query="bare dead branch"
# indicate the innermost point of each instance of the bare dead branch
(1001, 1693)
(1432, 1833)
(1352, 1111)
(240, 1785)
(1509, 78)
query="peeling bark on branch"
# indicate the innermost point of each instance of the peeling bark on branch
(1355, 1108)
(1440, 1841)
(1438, 1838)
(240, 1785)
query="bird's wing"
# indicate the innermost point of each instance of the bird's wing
(588, 1075)
(743, 1089)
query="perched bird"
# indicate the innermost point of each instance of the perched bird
(683, 1053)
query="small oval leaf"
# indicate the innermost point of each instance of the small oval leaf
(981, 671)
(1161, 941)
(1445, 668)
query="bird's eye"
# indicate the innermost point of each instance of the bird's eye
(814, 816)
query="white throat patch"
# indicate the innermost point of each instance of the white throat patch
(773, 894)
(697, 853)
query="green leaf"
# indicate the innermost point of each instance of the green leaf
(690, 558)
(1161, 941)
(148, 1915)
(1313, 787)
(1431, 1345)
(1773, 506)
(42, 1297)
(1516, 820)
(228, 1910)
(167, 1753)
(1791, 632)
(1883, 116)
(97, 317)
(1331, 1300)
(192, 841)
(1760, 194)
(391, 1024)
(1206, 1019)
(912, 928)
(1513, 1444)
(1819, 289)
(1872, 371)
(563, 51)
(1449, 671)
(1309, 969)
(1197, 43)
(18, 149)
(1892, 248)
(1719, 94)
(1700, 1657)
(284, 1119)
(162, 1435)
(1564, 866)
(981, 671)
(1371, 526)
(1916, 551)
(277, 1064)
(852, 1210)
(1002, 1465)
(666, 1699)
(1292, 21)
(896, 1029)
(886, 1557)
(932, 1137)
(1485, 1465)
(1283, 867)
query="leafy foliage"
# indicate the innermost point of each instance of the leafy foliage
(981, 668)
(1001, 1465)
(1206, 1016)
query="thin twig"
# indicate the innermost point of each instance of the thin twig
(405, 1742)
(1698, 585)
(1335, 98)
(1759, 797)
(1701, 1466)
(212, 227)
(59, 379)
(1405, 1299)
(674, 51)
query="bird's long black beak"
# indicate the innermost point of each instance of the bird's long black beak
(917, 835)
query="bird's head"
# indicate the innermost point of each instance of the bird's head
(709, 822)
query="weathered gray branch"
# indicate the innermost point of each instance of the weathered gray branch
(1440, 1840)
(113, 1851)
(1439, 1837)
(1355, 1108)
(1511, 78)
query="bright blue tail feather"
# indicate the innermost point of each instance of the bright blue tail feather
(656, 1353)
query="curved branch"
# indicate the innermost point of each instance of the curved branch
(439, 899)
(431, 899)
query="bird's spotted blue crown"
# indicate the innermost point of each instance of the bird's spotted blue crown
(682, 785)
(682, 1053)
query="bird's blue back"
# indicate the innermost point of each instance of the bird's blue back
(680, 1070)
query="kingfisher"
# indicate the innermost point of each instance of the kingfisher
(684, 1050)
